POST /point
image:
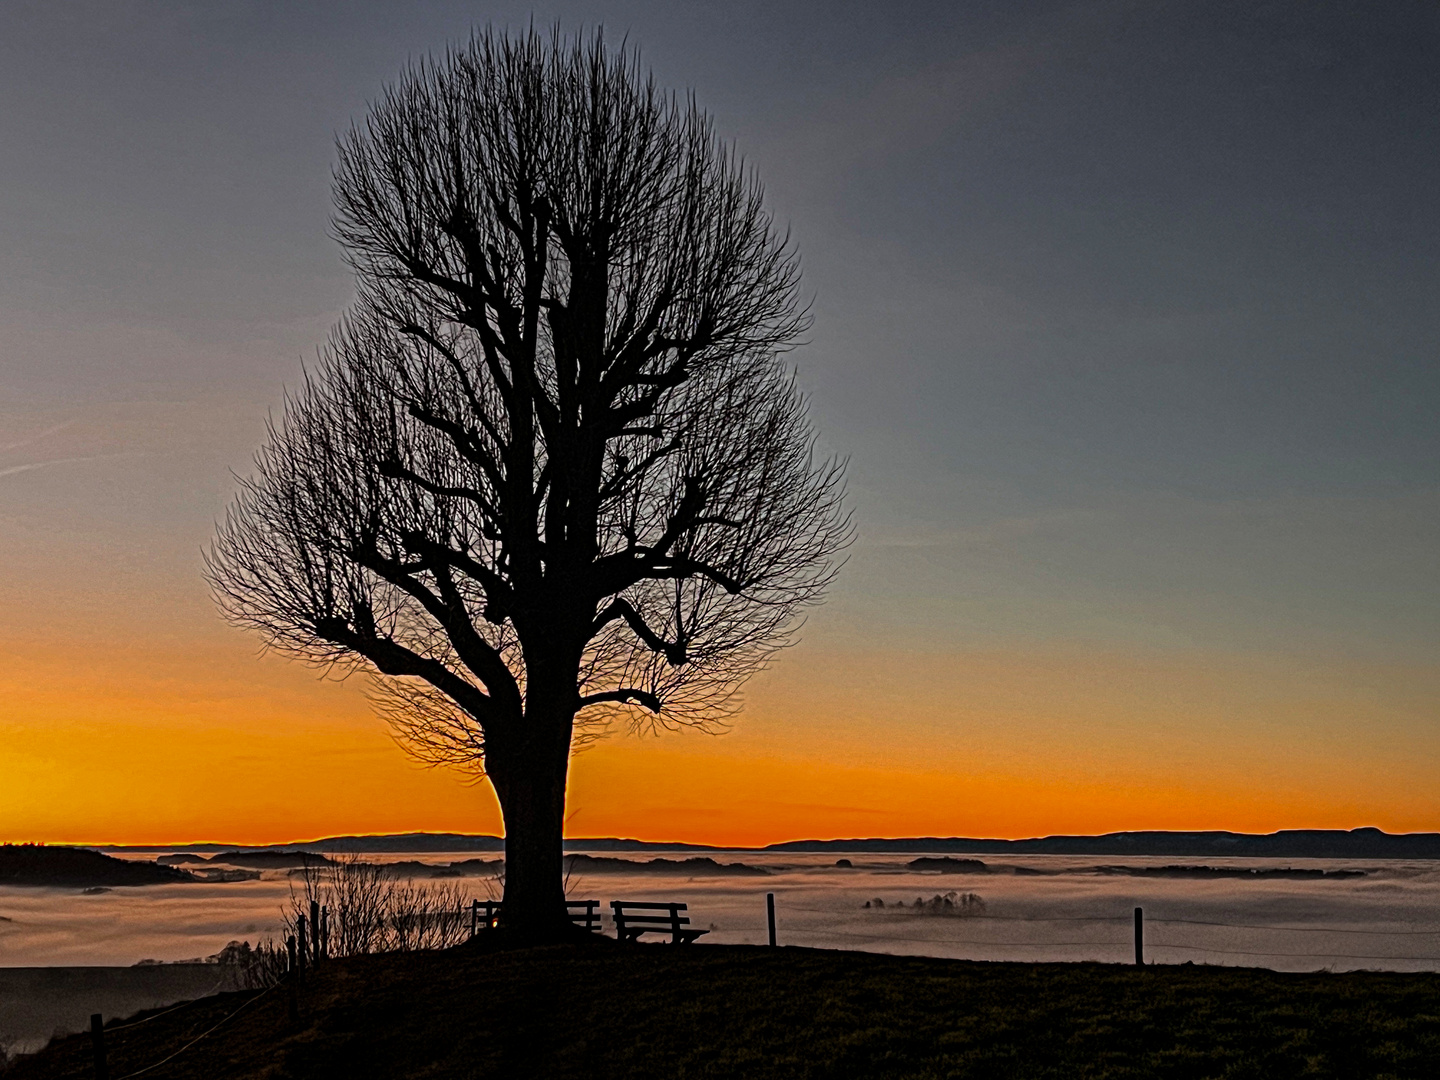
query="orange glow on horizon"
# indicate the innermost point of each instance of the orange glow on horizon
(207, 743)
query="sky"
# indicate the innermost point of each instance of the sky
(1124, 315)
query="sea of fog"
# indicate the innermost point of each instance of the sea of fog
(1053, 908)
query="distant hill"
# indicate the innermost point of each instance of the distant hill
(1365, 843)
(360, 844)
(1289, 844)
(697, 867)
(270, 860)
(78, 868)
(413, 842)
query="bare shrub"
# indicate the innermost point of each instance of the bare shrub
(368, 911)
(429, 916)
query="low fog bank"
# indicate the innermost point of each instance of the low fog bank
(1298, 915)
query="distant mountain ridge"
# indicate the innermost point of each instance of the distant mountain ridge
(1364, 843)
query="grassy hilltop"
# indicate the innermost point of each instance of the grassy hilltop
(741, 1011)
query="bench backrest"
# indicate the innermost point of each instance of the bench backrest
(486, 913)
(648, 914)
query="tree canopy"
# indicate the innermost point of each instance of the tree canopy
(551, 468)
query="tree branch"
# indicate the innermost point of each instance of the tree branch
(626, 694)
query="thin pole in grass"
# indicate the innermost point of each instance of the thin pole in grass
(97, 1041)
(314, 933)
(770, 913)
(292, 974)
(1139, 937)
(301, 948)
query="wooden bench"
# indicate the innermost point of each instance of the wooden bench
(486, 914)
(633, 919)
(588, 915)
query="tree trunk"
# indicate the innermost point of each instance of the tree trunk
(530, 784)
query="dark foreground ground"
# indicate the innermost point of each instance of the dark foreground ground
(739, 1011)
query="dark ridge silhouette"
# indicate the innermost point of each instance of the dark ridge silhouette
(418, 842)
(469, 867)
(270, 860)
(180, 859)
(1366, 843)
(947, 865)
(78, 868)
(386, 842)
(222, 874)
(411, 868)
(612, 843)
(696, 867)
(1287, 873)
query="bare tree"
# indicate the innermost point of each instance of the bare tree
(551, 471)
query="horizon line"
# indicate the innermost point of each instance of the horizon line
(119, 845)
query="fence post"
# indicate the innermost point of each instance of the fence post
(302, 947)
(1139, 937)
(314, 933)
(291, 975)
(770, 915)
(97, 1039)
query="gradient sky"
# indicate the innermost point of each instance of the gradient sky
(1125, 313)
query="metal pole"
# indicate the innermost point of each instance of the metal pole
(770, 912)
(1139, 937)
(97, 1039)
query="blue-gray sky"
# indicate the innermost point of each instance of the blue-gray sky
(1125, 313)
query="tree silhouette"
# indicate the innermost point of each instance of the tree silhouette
(550, 471)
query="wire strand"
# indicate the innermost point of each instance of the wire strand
(192, 1042)
(165, 1012)
(1153, 919)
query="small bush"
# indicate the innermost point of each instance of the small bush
(258, 968)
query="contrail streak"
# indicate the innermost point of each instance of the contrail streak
(6, 447)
